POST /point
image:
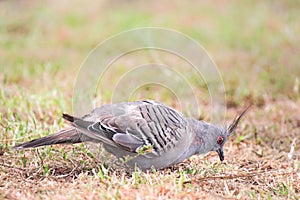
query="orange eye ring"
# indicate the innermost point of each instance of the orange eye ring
(220, 140)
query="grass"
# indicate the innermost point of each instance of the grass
(255, 46)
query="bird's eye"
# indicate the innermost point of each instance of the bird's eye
(220, 140)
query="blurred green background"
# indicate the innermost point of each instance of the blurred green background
(255, 44)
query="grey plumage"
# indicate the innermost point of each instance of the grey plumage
(149, 133)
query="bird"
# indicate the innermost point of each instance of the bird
(147, 134)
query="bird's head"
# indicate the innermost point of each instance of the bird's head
(221, 134)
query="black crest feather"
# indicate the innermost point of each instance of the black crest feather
(235, 122)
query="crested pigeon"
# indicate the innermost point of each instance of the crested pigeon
(150, 133)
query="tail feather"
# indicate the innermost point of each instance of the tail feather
(69, 118)
(65, 136)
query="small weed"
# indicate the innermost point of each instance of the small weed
(46, 170)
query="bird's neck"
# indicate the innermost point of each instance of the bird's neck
(202, 142)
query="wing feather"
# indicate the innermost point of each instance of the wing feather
(134, 125)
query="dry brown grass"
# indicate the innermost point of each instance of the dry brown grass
(256, 165)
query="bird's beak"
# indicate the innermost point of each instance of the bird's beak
(221, 154)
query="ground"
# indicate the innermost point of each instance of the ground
(255, 45)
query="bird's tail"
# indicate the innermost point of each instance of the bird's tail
(65, 136)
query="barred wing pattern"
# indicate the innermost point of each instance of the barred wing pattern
(134, 125)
